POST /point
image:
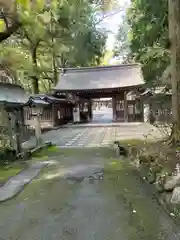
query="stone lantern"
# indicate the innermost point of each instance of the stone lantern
(37, 107)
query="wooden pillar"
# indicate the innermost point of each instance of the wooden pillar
(76, 113)
(146, 113)
(142, 112)
(134, 112)
(90, 109)
(114, 108)
(18, 136)
(125, 107)
(53, 116)
(38, 130)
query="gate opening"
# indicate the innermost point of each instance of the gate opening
(102, 110)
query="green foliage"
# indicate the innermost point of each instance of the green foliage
(147, 37)
(84, 42)
(122, 44)
(2, 25)
(61, 34)
(149, 30)
(105, 5)
(106, 58)
(9, 170)
(7, 155)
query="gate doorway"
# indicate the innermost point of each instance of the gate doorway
(102, 110)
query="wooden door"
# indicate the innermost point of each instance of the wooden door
(120, 110)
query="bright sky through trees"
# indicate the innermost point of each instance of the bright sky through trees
(112, 22)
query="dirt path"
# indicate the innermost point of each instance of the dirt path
(117, 207)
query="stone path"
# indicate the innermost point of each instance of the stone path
(97, 135)
(53, 208)
(68, 201)
(85, 135)
(15, 184)
(101, 132)
(103, 115)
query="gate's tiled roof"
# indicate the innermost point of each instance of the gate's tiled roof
(105, 77)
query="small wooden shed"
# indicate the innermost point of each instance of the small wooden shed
(55, 111)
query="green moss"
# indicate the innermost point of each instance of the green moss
(178, 148)
(115, 164)
(166, 170)
(53, 149)
(83, 152)
(9, 171)
(129, 191)
(156, 168)
(136, 142)
(133, 142)
(46, 152)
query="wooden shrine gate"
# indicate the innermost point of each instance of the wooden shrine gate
(119, 82)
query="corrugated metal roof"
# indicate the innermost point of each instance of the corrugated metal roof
(49, 98)
(44, 99)
(147, 91)
(38, 102)
(156, 91)
(114, 76)
(12, 93)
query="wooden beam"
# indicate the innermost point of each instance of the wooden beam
(114, 108)
(125, 107)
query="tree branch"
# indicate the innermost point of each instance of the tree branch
(35, 43)
(10, 30)
(3, 16)
(107, 16)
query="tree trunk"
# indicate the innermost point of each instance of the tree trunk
(54, 59)
(174, 36)
(35, 80)
(55, 71)
(10, 30)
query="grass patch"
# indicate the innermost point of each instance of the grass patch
(137, 142)
(53, 151)
(114, 166)
(81, 152)
(10, 170)
(103, 152)
(45, 153)
(134, 142)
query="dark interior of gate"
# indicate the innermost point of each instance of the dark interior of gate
(121, 83)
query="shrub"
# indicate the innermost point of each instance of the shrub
(7, 155)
